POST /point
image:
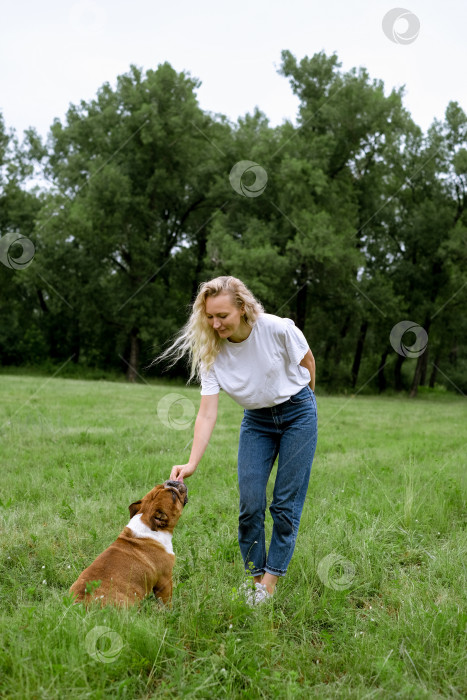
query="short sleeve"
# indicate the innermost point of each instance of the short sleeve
(295, 342)
(209, 383)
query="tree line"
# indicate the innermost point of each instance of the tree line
(350, 222)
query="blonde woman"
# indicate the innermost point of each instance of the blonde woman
(264, 363)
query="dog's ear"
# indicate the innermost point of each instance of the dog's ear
(134, 507)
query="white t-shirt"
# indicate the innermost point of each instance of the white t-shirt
(263, 370)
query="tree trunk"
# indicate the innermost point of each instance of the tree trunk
(398, 373)
(453, 354)
(359, 352)
(420, 369)
(424, 367)
(76, 341)
(327, 350)
(42, 302)
(416, 378)
(434, 371)
(301, 304)
(339, 345)
(200, 255)
(345, 327)
(133, 365)
(433, 374)
(382, 384)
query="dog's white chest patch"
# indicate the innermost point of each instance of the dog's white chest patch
(139, 529)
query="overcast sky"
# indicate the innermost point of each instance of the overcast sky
(57, 52)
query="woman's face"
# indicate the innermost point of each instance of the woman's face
(224, 317)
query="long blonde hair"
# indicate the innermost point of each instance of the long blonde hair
(197, 339)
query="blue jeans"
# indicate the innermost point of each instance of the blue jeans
(289, 429)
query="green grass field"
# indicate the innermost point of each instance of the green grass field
(373, 605)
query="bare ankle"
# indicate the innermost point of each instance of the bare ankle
(270, 582)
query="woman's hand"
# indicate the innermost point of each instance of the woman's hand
(180, 471)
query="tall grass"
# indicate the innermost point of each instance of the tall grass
(373, 604)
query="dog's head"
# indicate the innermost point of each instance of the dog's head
(162, 506)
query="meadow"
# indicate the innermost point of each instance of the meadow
(373, 604)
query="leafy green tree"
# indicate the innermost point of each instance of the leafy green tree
(355, 222)
(311, 239)
(20, 335)
(438, 245)
(133, 168)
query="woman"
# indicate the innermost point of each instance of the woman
(264, 363)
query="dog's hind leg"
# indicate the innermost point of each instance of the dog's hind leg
(163, 590)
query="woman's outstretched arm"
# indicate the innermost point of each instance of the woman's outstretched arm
(204, 425)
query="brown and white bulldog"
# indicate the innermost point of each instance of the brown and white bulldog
(142, 558)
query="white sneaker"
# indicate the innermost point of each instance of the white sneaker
(247, 586)
(257, 595)
(244, 590)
